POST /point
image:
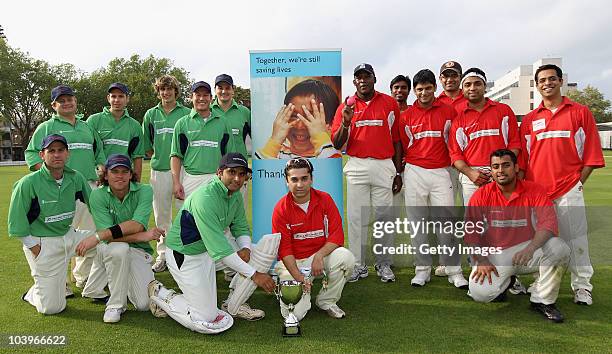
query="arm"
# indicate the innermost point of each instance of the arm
(241, 231)
(341, 125)
(32, 157)
(147, 134)
(478, 177)
(175, 167)
(399, 167)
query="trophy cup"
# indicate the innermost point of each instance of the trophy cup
(289, 292)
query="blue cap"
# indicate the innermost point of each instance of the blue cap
(224, 78)
(234, 159)
(61, 90)
(51, 138)
(365, 67)
(199, 84)
(117, 85)
(116, 160)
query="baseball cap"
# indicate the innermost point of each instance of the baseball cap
(116, 160)
(122, 87)
(50, 139)
(365, 67)
(451, 65)
(224, 78)
(234, 159)
(199, 84)
(61, 90)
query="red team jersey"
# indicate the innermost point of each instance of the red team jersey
(373, 127)
(303, 234)
(557, 146)
(510, 221)
(459, 103)
(475, 135)
(424, 134)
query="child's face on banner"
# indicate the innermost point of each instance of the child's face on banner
(299, 136)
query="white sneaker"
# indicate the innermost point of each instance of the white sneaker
(421, 278)
(159, 265)
(153, 290)
(458, 281)
(359, 272)
(334, 311)
(385, 273)
(583, 297)
(246, 312)
(113, 315)
(440, 271)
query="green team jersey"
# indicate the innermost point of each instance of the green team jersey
(200, 224)
(86, 150)
(238, 120)
(200, 143)
(157, 129)
(118, 137)
(42, 207)
(107, 210)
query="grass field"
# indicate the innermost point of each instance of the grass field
(381, 317)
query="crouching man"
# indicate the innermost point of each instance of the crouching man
(520, 235)
(196, 240)
(121, 208)
(311, 241)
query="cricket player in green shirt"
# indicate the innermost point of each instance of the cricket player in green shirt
(121, 208)
(197, 240)
(158, 128)
(86, 152)
(42, 207)
(120, 133)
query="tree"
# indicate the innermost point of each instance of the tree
(25, 86)
(595, 100)
(137, 73)
(242, 96)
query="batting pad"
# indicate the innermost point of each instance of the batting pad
(178, 308)
(262, 257)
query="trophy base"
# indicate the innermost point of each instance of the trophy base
(293, 331)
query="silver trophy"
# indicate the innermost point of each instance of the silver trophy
(290, 292)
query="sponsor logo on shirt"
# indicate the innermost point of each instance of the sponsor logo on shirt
(509, 223)
(308, 235)
(65, 131)
(294, 225)
(369, 122)
(105, 131)
(553, 134)
(204, 143)
(235, 131)
(538, 124)
(59, 217)
(80, 146)
(115, 142)
(48, 201)
(428, 134)
(164, 131)
(482, 133)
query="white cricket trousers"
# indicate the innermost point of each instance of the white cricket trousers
(195, 276)
(84, 221)
(338, 266)
(163, 195)
(368, 186)
(424, 188)
(571, 216)
(127, 270)
(48, 294)
(550, 261)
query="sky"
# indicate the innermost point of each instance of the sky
(207, 38)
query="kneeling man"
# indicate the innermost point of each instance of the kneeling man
(311, 241)
(520, 234)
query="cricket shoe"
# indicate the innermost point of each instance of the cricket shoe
(458, 281)
(385, 273)
(334, 311)
(113, 315)
(421, 278)
(359, 272)
(549, 311)
(159, 265)
(245, 312)
(440, 271)
(583, 297)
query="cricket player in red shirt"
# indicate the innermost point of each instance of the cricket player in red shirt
(311, 240)
(450, 79)
(520, 235)
(561, 148)
(366, 124)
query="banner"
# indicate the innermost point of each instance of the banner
(281, 80)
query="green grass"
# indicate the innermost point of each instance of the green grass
(381, 317)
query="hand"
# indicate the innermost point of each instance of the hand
(152, 234)
(316, 268)
(282, 123)
(347, 114)
(263, 281)
(478, 177)
(522, 257)
(484, 270)
(178, 191)
(245, 254)
(35, 250)
(397, 184)
(315, 121)
(100, 169)
(85, 245)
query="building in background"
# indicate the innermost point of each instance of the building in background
(517, 88)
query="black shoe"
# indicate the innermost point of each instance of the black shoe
(549, 311)
(100, 300)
